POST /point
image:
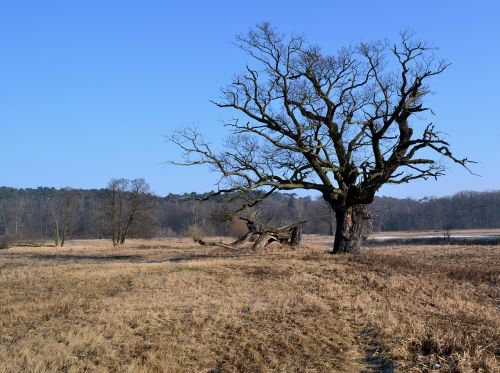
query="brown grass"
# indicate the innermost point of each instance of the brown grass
(172, 306)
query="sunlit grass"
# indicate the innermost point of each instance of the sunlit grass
(176, 307)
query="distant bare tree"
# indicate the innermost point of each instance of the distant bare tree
(127, 199)
(343, 124)
(62, 211)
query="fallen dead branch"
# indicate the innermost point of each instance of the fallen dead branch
(262, 235)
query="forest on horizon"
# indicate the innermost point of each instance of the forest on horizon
(29, 214)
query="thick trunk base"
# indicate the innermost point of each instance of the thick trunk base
(351, 228)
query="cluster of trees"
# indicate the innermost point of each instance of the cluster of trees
(464, 210)
(127, 208)
(124, 208)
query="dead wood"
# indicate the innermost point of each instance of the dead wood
(263, 235)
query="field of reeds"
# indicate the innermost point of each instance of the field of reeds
(174, 306)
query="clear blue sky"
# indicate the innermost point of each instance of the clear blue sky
(89, 87)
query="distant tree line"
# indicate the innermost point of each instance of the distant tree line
(464, 210)
(127, 208)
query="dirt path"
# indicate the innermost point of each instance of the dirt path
(375, 352)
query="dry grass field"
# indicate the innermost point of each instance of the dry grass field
(173, 306)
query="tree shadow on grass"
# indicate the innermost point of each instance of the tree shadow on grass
(112, 258)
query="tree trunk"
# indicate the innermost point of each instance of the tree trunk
(56, 230)
(64, 232)
(296, 235)
(261, 241)
(350, 229)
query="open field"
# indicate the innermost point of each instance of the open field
(173, 306)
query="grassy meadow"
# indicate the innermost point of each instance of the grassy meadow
(174, 306)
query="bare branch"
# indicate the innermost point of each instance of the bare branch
(342, 124)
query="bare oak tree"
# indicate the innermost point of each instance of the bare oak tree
(343, 125)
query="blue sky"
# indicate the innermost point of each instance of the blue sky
(89, 88)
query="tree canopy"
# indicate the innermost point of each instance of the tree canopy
(342, 124)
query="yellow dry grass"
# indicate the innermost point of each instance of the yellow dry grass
(172, 306)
